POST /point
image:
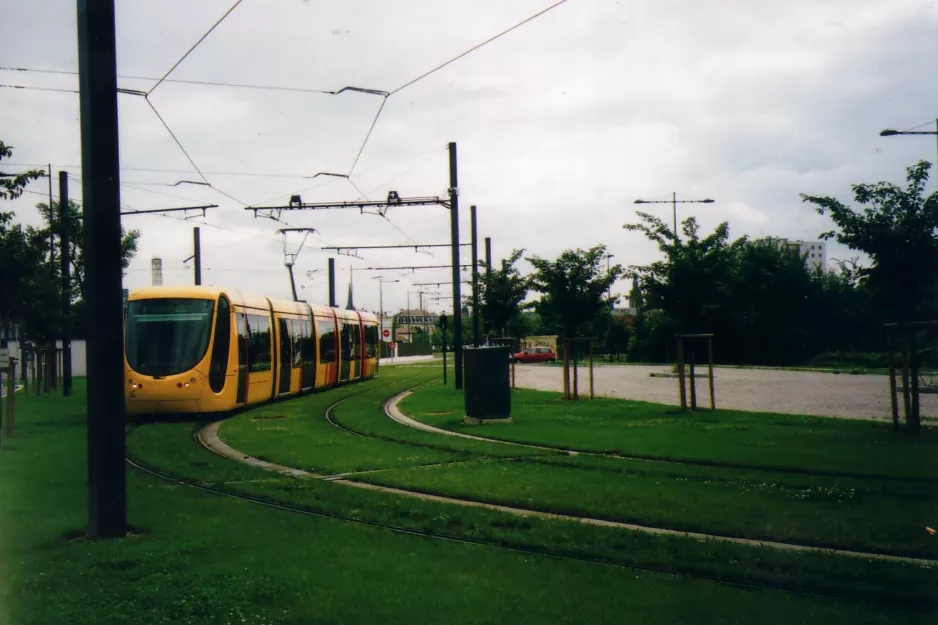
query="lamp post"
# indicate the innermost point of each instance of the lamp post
(674, 202)
(609, 293)
(891, 133)
(381, 283)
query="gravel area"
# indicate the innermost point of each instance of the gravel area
(792, 392)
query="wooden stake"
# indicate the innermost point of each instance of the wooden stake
(592, 396)
(713, 401)
(680, 372)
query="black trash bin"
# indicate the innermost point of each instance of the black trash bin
(487, 385)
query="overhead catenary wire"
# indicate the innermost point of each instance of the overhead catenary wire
(206, 83)
(477, 46)
(195, 45)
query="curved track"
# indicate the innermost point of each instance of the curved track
(274, 504)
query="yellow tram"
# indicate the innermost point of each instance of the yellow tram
(197, 349)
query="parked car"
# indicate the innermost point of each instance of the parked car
(535, 354)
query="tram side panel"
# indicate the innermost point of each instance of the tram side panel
(258, 355)
(327, 367)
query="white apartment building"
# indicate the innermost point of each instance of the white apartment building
(814, 252)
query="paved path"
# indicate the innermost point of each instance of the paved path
(793, 392)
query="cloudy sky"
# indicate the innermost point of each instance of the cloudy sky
(561, 124)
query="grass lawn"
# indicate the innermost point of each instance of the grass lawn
(200, 558)
(724, 437)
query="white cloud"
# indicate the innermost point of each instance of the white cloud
(561, 124)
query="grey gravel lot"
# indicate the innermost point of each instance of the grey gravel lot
(792, 392)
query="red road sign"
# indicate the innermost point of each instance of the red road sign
(386, 333)
(392, 344)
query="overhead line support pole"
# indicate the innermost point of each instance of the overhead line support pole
(332, 282)
(197, 251)
(457, 296)
(66, 285)
(475, 277)
(106, 418)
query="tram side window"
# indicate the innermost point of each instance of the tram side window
(346, 342)
(326, 341)
(308, 349)
(259, 344)
(300, 339)
(243, 339)
(357, 342)
(371, 341)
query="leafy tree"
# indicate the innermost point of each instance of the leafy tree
(897, 230)
(692, 282)
(53, 221)
(21, 252)
(573, 288)
(501, 294)
(24, 278)
(12, 185)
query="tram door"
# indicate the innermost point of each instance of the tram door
(345, 346)
(286, 357)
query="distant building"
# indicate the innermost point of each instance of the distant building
(814, 252)
(409, 323)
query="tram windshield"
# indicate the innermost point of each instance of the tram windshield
(167, 336)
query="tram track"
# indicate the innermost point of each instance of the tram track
(507, 546)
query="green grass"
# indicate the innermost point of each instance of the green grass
(199, 558)
(169, 447)
(295, 433)
(723, 437)
(750, 505)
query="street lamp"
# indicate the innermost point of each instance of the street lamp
(891, 133)
(381, 283)
(674, 202)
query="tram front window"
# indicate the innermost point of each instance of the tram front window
(167, 336)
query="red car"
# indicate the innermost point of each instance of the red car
(535, 354)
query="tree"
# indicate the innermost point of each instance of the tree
(897, 230)
(76, 233)
(692, 282)
(21, 252)
(501, 293)
(12, 185)
(573, 288)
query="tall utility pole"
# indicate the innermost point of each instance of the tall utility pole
(51, 228)
(488, 265)
(332, 282)
(381, 283)
(97, 78)
(457, 295)
(197, 254)
(609, 293)
(66, 286)
(475, 277)
(674, 202)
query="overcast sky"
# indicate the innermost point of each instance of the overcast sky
(560, 124)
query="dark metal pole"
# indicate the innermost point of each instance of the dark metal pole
(457, 297)
(66, 286)
(475, 277)
(197, 252)
(488, 270)
(97, 76)
(51, 227)
(443, 343)
(332, 282)
(292, 283)
(674, 206)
